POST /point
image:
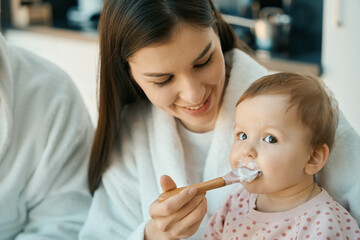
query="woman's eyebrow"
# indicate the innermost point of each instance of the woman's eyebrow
(202, 54)
(157, 74)
(206, 49)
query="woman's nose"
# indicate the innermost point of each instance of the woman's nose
(192, 91)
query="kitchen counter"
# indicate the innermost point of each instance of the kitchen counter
(281, 65)
(61, 33)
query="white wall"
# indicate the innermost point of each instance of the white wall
(341, 56)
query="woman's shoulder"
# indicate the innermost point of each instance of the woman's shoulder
(243, 68)
(344, 127)
(236, 58)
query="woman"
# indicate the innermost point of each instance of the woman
(171, 72)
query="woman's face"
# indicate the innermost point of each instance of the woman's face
(184, 77)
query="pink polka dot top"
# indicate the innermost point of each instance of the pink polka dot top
(320, 218)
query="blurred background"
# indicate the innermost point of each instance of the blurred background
(320, 37)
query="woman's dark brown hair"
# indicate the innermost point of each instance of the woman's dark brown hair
(126, 26)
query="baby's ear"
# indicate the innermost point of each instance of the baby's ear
(317, 160)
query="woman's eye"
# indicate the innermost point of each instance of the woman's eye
(207, 62)
(271, 139)
(161, 84)
(242, 136)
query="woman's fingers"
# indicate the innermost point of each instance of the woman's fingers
(182, 222)
(178, 216)
(167, 183)
(172, 204)
(193, 206)
(189, 224)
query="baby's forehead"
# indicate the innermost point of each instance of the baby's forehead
(287, 99)
(272, 105)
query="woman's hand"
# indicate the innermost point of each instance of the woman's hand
(178, 216)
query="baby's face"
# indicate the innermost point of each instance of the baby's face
(271, 137)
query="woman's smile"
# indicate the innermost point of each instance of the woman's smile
(199, 109)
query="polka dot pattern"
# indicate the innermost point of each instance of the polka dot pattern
(321, 218)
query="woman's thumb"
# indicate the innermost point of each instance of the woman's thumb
(167, 183)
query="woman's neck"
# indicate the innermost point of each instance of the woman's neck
(288, 199)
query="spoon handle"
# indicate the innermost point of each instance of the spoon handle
(201, 187)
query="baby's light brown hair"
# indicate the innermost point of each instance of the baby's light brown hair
(316, 107)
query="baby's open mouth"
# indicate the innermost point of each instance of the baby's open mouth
(247, 172)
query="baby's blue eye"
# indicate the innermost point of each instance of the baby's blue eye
(242, 136)
(271, 139)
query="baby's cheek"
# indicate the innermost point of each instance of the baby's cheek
(271, 170)
(233, 164)
(233, 158)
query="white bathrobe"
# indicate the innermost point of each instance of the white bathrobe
(151, 147)
(45, 141)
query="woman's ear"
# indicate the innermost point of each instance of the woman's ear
(317, 160)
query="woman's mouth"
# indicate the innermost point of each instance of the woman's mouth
(199, 109)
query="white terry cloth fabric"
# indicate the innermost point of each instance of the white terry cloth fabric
(195, 146)
(151, 147)
(45, 140)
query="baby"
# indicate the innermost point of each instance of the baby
(285, 126)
